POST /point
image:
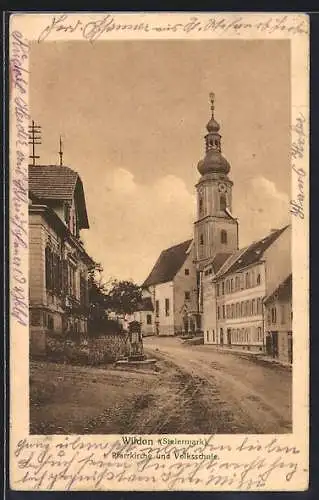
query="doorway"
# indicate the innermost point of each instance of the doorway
(228, 336)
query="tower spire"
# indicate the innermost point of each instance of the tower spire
(61, 152)
(213, 162)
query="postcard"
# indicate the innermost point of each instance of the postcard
(159, 223)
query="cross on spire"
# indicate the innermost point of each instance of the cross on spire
(34, 139)
(212, 102)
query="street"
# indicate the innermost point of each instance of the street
(250, 397)
(193, 389)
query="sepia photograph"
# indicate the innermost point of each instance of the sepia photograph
(159, 252)
(160, 238)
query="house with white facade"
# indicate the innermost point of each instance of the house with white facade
(233, 296)
(172, 287)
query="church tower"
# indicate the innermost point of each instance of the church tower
(216, 230)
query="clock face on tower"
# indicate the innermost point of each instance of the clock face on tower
(222, 188)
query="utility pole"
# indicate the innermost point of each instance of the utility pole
(61, 152)
(34, 139)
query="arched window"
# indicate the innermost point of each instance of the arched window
(222, 202)
(223, 236)
(200, 205)
(247, 280)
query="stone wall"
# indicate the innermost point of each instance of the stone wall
(106, 349)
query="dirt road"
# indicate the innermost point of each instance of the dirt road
(193, 390)
(248, 396)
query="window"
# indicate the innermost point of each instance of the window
(224, 312)
(233, 310)
(273, 315)
(201, 239)
(237, 283)
(232, 285)
(83, 291)
(217, 289)
(243, 308)
(259, 334)
(247, 280)
(186, 272)
(223, 288)
(148, 319)
(166, 307)
(157, 308)
(218, 312)
(242, 282)
(200, 205)
(187, 295)
(253, 307)
(282, 314)
(258, 279)
(222, 202)
(252, 277)
(50, 322)
(237, 310)
(223, 236)
(259, 306)
(227, 311)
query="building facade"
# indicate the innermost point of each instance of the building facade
(278, 320)
(58, 262)
(172, 287)
(233, 296)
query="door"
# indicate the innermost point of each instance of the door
(275, 344)
(157, 328)
(229, 336)
(290, 347)
(221, 339)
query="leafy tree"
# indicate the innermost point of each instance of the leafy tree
(124, 297)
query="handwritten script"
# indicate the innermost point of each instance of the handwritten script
(19, 175)
(297, 153)
(110, 23)
(75, 462)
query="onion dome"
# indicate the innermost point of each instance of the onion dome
(214, 162)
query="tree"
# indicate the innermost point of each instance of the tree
(124, 297)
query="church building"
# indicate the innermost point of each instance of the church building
(229, 284)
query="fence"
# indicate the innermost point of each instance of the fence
(105, 349)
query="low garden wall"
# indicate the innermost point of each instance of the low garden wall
(90, 351)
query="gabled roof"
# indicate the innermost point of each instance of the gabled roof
(218, 260)
(282, 292)
(251, 254)
(146, 304)
(168, 264)
(50, 183)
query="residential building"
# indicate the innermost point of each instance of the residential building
(233, 296)
(172, 287)
(278, 319)
(58, 262)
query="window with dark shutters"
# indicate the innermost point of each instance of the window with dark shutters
(47, 268)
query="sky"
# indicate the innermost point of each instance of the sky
(132, 115)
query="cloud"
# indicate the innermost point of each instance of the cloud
(260, 208)
(131, 223)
